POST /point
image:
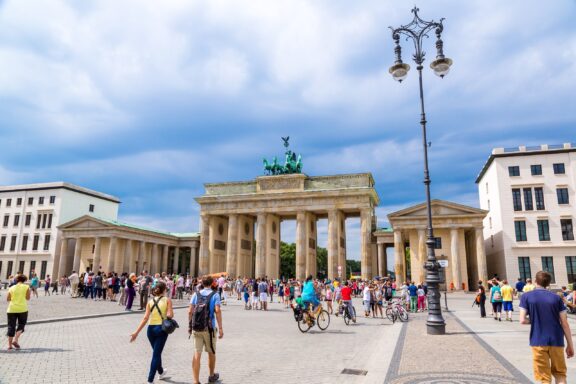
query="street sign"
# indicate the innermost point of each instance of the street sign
(443, 263)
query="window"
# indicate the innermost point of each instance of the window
(38, 220)
(8, 202)
(559, 169)
(2, 243)
(46, 242)
(514, 171)
(50, 221)
(52, 199)
(9, 269)
(548, 266)
(35, 242)
(6, 220)
(41, 200)
(0, 267)
(536, 169)
(19, 202)
(524, 267)
(539, 194)
(13, 243)
(437, 243)
(24, 242)
(32, 267)
(567, 229)
(28, 219)
(528, 202)
(44, 217)
(543, 230)
(516, 199)
(91, 208)
(43, 269)
(571, 268)
(562, 194)
(30, 201)
(21, 266)
(520, 228)
(16, 220)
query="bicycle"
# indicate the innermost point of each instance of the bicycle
(347, 314)
(306, 319)
(398, 307)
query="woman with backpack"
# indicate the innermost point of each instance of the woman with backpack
(158, 308)
(496, 300)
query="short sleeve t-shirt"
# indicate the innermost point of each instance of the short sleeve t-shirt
(346, 293)
(17, 303)
(213, 303)
(507, 293)
(544, 308)
(413, 290)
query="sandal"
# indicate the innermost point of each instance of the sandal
(16, 345)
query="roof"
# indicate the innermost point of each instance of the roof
(459, 209)
(525, 151)
(59, 185)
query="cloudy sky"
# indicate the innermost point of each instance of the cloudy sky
(148, 100)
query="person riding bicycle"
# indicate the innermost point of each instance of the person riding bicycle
(309, 294)
(346, 293)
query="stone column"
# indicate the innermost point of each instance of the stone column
(342, 244)
(154, 268)
(119, 260)
(333, 223)
(232, 247)
(165, 251)
(97, 254)
(111, 254)
(193, 255)
(422, 253)
(385, 260)
(400, 257)
(381, 261)
(301, 245)
(261, 245)
(204, 261)
(365, 248)
(480, 255)
(176, 260)
(127, 264)
(455, 254)
(77, 255)
(140, 253)
(61, 271)
(311, 245)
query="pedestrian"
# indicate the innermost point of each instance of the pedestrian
(519, 288)
(47, 283)
(145, 282)
(507, 296)
(328, 297)
(63, 285)
(546, 314)
(98, 286)
(17, 311)
(481, 295)
(263, 294)
(130, 291)
(528, 286)
(74, 281)
(55, 285)
(123, 278)
(421, 298)
(180, 287)
(366, 300)
(205, 319)
(496, 300)
(413, 292)
(157, 309)
(34, 284)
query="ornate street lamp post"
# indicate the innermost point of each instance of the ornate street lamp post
(416, 31)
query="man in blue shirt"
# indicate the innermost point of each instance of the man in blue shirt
(413, 289)
(206, 339)
(546, 314)
(519, 287)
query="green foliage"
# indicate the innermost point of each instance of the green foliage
(287, 259)
(354, 266)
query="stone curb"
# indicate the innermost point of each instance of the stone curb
(57, 320)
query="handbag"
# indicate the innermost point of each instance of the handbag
(168, 325)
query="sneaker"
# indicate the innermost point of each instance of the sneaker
(214, 378)
(500, 319)
(163, 376)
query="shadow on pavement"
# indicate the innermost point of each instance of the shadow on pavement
(35, 350)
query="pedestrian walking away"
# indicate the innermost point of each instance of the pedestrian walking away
(157, 309)
(17, 312)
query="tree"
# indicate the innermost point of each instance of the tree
(287, 260)
(354, 266)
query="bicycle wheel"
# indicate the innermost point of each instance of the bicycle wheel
(323, 320)
(402, 313)
(303, 325)
(390, 314)
(347, 318)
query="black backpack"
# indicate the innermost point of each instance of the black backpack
(201, 318)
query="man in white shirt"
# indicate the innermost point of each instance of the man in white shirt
(74, 281)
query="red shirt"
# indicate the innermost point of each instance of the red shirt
(346, 292)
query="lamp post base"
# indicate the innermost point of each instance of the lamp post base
(435, 328)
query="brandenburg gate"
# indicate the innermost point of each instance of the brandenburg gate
(240, 223)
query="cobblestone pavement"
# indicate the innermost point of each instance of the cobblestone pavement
(258, 347)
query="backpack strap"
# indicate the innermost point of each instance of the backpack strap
(158, 308)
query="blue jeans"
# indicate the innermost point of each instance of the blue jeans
(157, 338)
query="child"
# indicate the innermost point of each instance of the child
(246, 296)
(329, 299)
(421, 298)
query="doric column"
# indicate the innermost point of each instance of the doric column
(61, 270)
(140, 253)
(176, 260)
(342, 244)
(400, 258)
(97, 254)
(311, 245)
(127, 264)
(381, 262)
(480, 254)
(261, 245)
(232, 250)
(193, 256)
(385, 260)
(455, 253)
(365, 248)
(119, 259)
(422, 255)
(155, 264)
(165, 250)
(77, 255)
(204, 261)
(333, 245)
(111, 254)
(301, 245)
